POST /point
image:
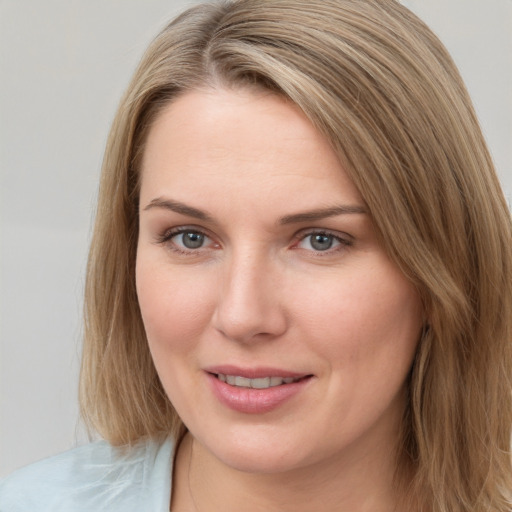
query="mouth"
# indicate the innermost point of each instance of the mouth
(258, 383)
(256, 390)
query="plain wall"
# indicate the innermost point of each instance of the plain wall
(63, 67)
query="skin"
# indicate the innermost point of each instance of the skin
(259, 292)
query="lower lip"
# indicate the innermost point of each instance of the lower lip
(255, 401)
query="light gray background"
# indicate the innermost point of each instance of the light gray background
(63, 67)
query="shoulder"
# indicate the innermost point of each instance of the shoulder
(97, 476)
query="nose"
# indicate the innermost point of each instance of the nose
(250, 305)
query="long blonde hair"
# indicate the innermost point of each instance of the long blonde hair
(383, 89)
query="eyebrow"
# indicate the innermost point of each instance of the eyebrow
(178, 207)
(322, 213)
(308, 216)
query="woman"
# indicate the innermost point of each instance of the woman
(298, 292)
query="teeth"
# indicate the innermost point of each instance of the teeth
(242, 382)
(276, 381)
(261, 383)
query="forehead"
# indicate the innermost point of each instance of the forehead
(235, 142)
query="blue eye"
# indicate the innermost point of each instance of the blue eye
(321, 242)
(187, 241)
(190, 239)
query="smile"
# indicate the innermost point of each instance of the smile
(259, 383)
(256, 390)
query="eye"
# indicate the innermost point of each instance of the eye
(318, 242)
(186, 240)
(189, 239)
(321, 241)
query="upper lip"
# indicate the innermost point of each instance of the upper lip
(259, 372)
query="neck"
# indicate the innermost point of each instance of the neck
(353, 483)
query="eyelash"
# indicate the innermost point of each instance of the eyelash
(343, 241)
(167, 236)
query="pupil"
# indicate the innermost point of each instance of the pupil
(192, 240)
(321, 242)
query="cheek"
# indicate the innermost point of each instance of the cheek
(365, 322)
(175, 306)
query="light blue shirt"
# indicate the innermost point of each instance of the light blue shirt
(94, 478)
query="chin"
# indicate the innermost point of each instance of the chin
(258, 463)
(260, 454)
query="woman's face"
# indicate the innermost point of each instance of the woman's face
(280, 329)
